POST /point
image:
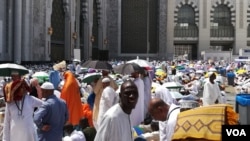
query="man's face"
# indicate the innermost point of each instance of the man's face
(15, 77)
(105, 72)
(129, 96)
(212, 77)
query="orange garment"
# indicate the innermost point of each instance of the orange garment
(71, 94)
(87, 112)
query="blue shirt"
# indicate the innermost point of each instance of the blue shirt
(54, 113)
(54, 78)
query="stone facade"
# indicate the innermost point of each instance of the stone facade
(25, 29)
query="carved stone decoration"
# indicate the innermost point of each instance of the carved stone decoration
(66, 8)
(84, 9)
(190, 3)
(99, 11)
(248, 13)
(229, 5)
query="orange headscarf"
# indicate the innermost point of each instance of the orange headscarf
(71, 94)
(15, 90)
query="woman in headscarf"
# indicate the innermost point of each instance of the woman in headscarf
(71, 94)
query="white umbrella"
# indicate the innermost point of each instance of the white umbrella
(141, 62)
(41, 74)
(172, 85)
(76, 60)
(8, 68)
(176, 95)
(90, 77)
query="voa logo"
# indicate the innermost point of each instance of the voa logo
(236, 132)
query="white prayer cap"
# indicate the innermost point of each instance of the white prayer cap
(105, 80)
(47, 86)
(210, 73)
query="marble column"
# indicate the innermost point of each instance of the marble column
(67, 29)
(10, 30)
(87, 15)
(104, 37)
(100, 15)
(78, 13)
(26, 30)
(18, 31)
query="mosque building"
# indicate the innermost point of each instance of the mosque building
(51, 30)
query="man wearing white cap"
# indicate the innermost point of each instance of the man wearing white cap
(108, 99)
(51, 116)
(211, 92)
(98, 88)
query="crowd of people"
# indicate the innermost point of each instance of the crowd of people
(138, 108)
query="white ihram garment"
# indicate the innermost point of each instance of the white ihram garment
(115, 126)
(21, 127)
(108, 99)
(137, 114)
(211, 93)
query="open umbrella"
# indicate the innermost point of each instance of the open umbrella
(127, 68)
(176, 95)
(76, 60)
(7, 68)
(141, 62)
(90, 77)
(96, 64)
(41, 76)
(173, 85)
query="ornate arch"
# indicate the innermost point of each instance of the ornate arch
(248, 21)
(228, 4)
(248, 14)
(190, 3)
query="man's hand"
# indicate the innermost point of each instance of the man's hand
(46, 128)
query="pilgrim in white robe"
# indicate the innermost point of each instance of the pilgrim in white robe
(115, 126)
(147, 93)
(167, 127)
(211, 94)
(108, 99)
(137, 115)
(19, 125)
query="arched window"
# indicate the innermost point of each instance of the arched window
(186, 26)
(57, 22)
(221, 26)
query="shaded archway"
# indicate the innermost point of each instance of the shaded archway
(186, 20)
(58, 32)
(185, 25)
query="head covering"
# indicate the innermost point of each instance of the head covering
(59, 66)
(15, 90)
(210, 73)
(105, 80)
(47, 86)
